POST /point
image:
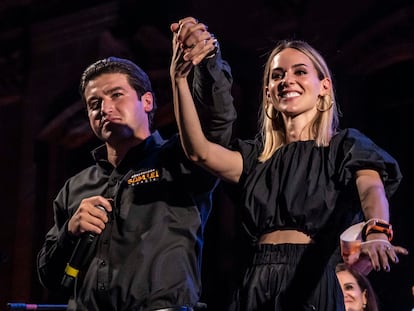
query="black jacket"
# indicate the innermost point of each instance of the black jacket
(149, 255)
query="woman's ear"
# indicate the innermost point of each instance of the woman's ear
(267, 93)
(326, 85)
(364, 297)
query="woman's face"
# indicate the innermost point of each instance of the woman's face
(355, 299)
(294, 85)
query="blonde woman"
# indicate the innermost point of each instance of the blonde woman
(302, 181)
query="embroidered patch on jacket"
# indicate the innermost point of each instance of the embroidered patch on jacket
(147, 176)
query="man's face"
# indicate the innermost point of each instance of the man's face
(115, 112)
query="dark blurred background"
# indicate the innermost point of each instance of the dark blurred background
(46, 44)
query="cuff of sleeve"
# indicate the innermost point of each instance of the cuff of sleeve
(213, 65)
(66, 239)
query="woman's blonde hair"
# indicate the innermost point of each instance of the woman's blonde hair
(326, 121)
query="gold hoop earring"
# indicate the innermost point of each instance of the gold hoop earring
(322, 100)
(267, 114)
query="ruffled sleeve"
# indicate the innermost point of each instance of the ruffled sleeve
(353, 151)
(250, 150)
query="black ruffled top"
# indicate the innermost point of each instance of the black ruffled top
(309, 188)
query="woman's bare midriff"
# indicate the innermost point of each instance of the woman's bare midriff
(285, 236)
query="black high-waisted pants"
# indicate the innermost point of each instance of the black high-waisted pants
(289, 277)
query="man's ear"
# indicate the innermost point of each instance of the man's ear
(147, 101)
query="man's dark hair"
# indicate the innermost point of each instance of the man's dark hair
(136, 77)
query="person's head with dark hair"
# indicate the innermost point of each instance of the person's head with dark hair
(138, 211)
(120, 103)
(136, 77)
(359, 294)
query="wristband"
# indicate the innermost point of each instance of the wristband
(351, 240)
(376, 225)
(350, 243)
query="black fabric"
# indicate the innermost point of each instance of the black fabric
(217, 120)
(149, 255)
(302, 185)
(282, 277)
(310, 189)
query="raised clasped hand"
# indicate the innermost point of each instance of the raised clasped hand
(192, 43)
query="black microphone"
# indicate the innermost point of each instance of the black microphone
(79, 257)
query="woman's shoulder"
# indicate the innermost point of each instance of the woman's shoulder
(350, 133)
(353, 138)
(354, 145)
(353, 150)
(247, 145)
